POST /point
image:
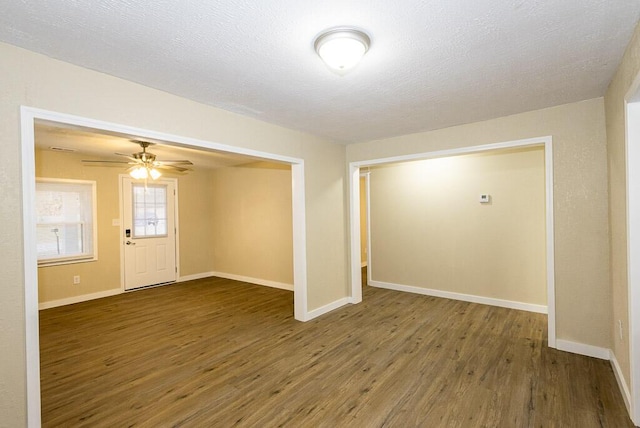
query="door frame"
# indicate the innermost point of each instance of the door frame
(366, 175)
(632, 175)
(28, 118)
(121, 179)
(354, 213)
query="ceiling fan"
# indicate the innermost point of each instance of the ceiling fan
(144, 163)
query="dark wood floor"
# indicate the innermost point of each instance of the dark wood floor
(219, 353)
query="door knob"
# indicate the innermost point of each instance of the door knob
(130, 243)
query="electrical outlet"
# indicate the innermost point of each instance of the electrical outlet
(620, 328)
(76, 279)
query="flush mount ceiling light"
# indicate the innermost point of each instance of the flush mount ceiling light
(342, 48)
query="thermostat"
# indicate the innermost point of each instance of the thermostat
(485, 198)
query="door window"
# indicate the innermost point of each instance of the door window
(149, 210)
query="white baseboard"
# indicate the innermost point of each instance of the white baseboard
(79, 299)
(195, 276)
(327, 308)
(257, 281)
(583, 349)
(541, 309)
(626, 394)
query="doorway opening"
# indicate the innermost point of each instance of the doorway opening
(29, 118)
(355, 169)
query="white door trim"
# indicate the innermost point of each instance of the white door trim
(121, 179)
(632, 143)
(366, 175)
(354, 211)
(32, 330)
(28, 116)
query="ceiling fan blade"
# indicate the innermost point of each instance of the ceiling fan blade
(182, 162)
(127, 156)
(172, 168)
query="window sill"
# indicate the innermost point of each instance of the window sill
(67, 261)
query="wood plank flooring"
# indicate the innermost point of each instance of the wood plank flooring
(220, 353)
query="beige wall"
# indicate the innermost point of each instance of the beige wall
(37, 81)
(429, 230)
(251, 213)
(614, 105)
(56, 282)
(363, 219)
(194, 208)
(580, 206)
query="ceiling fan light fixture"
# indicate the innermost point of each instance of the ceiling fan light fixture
(154, 173)
(144, 172)
(144, 163)
(139, 173)
(342, 48)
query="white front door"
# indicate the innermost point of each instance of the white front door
(149, 232)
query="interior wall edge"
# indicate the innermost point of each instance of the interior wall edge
(622, 384)
(314, 313)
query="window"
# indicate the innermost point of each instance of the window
(66, 227)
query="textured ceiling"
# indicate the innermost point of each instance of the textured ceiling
(432, 64)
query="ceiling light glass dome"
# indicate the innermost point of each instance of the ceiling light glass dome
(342, 48)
